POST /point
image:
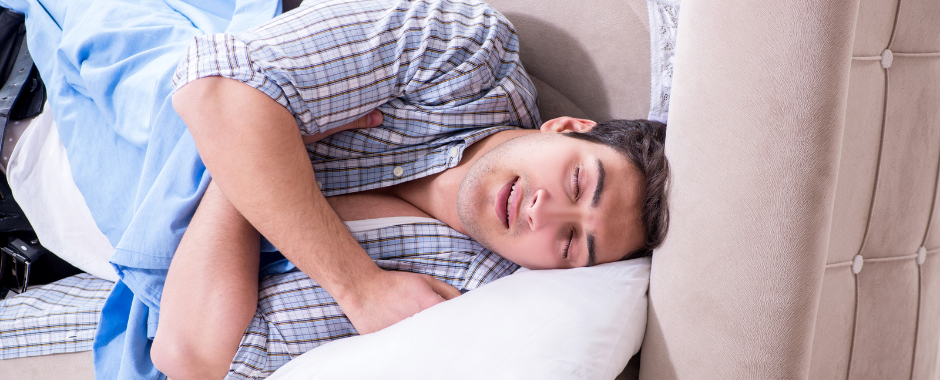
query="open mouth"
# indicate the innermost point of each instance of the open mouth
(504, 201)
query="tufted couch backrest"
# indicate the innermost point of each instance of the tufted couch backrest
(879, 313)
(805, 143)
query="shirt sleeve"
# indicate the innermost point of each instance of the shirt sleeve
(433, 65)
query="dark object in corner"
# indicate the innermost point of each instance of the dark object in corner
(289, 5)
(22, 93)
(23, 261)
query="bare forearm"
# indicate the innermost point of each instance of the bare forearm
(210, 293)
(252, 147)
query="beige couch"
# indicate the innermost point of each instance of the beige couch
(805, 215)
(806, 222)
(805, 144)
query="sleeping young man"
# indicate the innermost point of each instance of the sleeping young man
(419, 112)
(444, 97)
(412, 121)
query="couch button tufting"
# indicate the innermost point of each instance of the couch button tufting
(921, 255)
(886, 58)
(857, 263)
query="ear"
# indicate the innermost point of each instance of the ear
(567, 124)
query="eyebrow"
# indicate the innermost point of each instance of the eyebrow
(592, 255)
(600, 184)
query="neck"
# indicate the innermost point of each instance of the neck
(436, 194)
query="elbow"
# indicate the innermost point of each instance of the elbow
(179, 360)
(187, 99)
(163, 357)
(202, 97)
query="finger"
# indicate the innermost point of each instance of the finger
(445, 290)
(375, 118)
(371, 119)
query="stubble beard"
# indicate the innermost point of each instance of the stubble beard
(472, 195)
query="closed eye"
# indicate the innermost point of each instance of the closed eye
(577, 186)
(568, 245)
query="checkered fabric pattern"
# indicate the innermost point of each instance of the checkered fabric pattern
(51, 319)
(295, 315)
(444, 73)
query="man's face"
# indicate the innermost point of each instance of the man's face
(548, 201)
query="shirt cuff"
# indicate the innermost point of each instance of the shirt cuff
(226, 56)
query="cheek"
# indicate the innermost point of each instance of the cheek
(551, 170)
(532, 251)
(544, 163)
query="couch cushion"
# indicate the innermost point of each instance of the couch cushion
(597, 56)
(882, 320)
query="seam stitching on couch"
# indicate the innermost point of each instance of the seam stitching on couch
(916, 55)
(923, 243)
(877, 260)
(896, 54)
(854, 330)
(871, 206)
(894, 28)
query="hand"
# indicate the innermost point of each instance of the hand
(389, 297)
(369, 120)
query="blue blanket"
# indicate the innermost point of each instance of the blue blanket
(108, 66)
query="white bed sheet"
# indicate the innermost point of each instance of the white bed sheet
(41, 180)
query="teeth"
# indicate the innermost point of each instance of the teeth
(509, 202)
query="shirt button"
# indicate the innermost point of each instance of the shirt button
(453, 152)
(320, 185)
(398, 171)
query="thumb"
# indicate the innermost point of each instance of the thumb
(371, 119)
(445, 290)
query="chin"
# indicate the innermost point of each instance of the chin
(472, 204)
(475, 230)
(468, 210)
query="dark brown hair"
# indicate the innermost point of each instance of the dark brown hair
(642, 142)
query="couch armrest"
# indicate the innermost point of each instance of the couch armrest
(755, 126)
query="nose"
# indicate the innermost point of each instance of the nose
(547, 211)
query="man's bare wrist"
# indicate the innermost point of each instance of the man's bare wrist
(353, 289)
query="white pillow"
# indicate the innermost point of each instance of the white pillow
(581, 323)
(41, 181)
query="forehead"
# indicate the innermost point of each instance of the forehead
(618, 221)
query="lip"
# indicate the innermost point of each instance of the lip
(502, 199)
